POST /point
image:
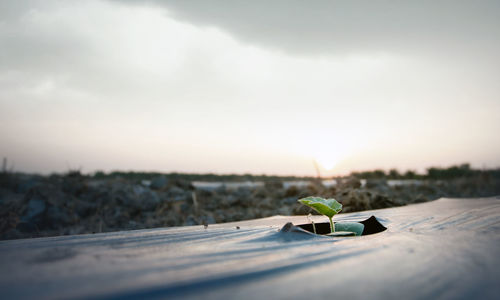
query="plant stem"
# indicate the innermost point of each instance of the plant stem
(314, 226)
(332, 226)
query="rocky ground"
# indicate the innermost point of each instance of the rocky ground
(35, 206)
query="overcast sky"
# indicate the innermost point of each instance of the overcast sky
(249, 86)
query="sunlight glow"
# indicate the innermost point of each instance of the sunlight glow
(327, 162)
(330, 156)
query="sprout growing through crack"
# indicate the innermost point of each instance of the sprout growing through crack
(328, 207)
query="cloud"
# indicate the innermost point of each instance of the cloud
(234, 87)
(338, 27)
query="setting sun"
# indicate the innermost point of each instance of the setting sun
(331, 148)
(327, 162)
(329, 156)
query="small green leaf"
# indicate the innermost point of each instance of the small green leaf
(327, 207)
(356, 228)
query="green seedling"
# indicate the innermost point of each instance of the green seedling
(328, 207)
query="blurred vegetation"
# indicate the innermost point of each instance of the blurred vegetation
(434, 173)
(197, 177)
(34, 205)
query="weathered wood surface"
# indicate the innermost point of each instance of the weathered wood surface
(449, 248)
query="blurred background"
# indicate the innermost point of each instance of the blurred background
(136, 114)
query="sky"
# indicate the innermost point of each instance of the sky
(262, 87)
